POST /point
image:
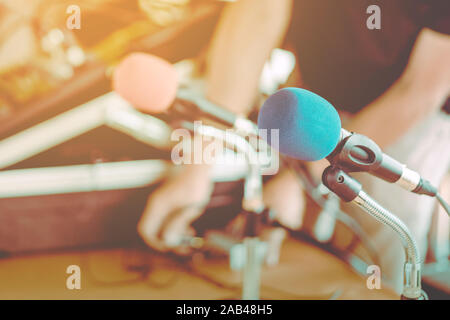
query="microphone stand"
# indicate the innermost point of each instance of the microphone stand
(253, 209)
(350, 190)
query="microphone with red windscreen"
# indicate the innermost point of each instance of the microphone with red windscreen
(150, 84)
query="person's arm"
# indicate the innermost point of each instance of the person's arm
(246, 34)
(422, 89)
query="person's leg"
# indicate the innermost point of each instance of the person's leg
(426, 149)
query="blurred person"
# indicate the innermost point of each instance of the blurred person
(193, 186)
(390, 84)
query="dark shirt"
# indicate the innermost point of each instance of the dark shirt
(349, 64)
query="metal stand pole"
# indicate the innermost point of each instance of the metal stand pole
(252, 269)
(252, 204)
(350, 190)
(412, 268)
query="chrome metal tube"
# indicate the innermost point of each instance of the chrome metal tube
(252, 202)
(412, 269)
(252, 270)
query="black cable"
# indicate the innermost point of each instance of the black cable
(85, 262)
(444, 204)
(143, 272)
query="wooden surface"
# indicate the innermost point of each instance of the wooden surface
(304, 272)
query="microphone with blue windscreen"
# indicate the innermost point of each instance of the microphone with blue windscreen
(309, 126)
(309, 129)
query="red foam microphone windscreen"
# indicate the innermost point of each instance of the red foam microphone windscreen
(148, 82)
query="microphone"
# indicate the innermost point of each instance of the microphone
(151, 85)
(148, 82)
(310, 130)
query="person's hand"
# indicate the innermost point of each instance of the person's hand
(284, 196)
(174, 206)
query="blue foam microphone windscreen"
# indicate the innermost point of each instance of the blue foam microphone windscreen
(309, 126)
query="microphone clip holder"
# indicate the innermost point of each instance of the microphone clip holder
(358, 153)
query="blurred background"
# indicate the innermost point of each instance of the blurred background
(47, 69)
(72, 190)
